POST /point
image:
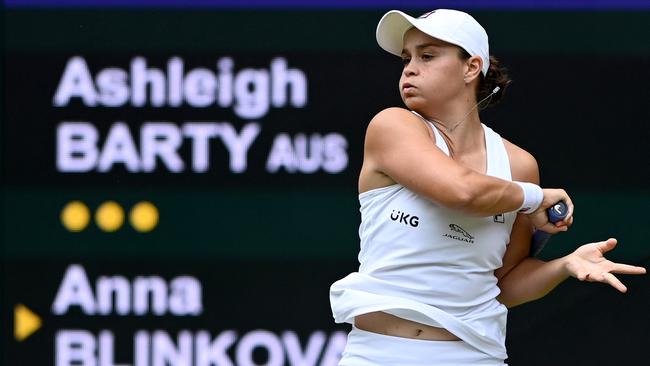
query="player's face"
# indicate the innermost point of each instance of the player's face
(433, 71)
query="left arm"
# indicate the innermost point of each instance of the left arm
(531, 278)
(522, 278)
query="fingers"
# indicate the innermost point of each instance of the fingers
(614, 282)
(607, 245)
(604, 277)
(569, 217)
(568, 220)
(551, 228)
(627, 269)
(564, 225)
(553, 196)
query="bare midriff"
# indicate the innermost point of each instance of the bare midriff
(383, 323)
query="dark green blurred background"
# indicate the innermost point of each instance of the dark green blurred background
(267, 245)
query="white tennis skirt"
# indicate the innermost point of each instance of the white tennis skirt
(372, 349)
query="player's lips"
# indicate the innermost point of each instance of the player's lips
(408, 90)
(406, 86)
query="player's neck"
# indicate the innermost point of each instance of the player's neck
(460, 123)
(454, 113)
(461, 127)
(467, 137)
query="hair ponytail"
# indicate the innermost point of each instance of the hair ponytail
(497, 75)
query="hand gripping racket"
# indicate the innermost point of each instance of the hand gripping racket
(556, 213)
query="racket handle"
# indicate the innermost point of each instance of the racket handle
(556, 213)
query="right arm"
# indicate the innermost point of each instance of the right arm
(398, 146)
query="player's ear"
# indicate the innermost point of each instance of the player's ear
(472, 68)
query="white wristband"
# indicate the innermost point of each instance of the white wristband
(533, 197)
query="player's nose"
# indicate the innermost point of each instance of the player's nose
(410, 69)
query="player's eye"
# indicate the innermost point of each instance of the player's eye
(405, 61)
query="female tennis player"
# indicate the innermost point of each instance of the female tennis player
(448, 208)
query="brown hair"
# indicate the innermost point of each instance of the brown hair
(497, 75)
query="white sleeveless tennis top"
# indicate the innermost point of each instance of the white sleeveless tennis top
(429, 264)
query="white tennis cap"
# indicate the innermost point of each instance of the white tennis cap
(453, 26)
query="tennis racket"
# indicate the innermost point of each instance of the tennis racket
(556, 213)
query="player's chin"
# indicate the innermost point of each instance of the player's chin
(413, 102)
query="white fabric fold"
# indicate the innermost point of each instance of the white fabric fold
(349, 297)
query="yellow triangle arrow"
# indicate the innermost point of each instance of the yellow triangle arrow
(25, 322)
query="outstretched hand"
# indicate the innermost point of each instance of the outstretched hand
(588, 263)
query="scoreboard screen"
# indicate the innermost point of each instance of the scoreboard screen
(179, 180)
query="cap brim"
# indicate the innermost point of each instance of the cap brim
(391, 29)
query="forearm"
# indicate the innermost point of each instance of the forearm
(531, 279)
(483, 195)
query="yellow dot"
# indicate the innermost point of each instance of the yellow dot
(144, 216)
(75, 216)
(109, 216)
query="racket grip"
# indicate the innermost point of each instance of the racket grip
(557, 212)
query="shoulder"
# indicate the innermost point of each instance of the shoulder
(395, 133)
(394, 115)
(394, 120)
(522, 164)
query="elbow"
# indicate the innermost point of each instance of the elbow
(504, 301)
(464, 197)
(507, 302)
(512, 297)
